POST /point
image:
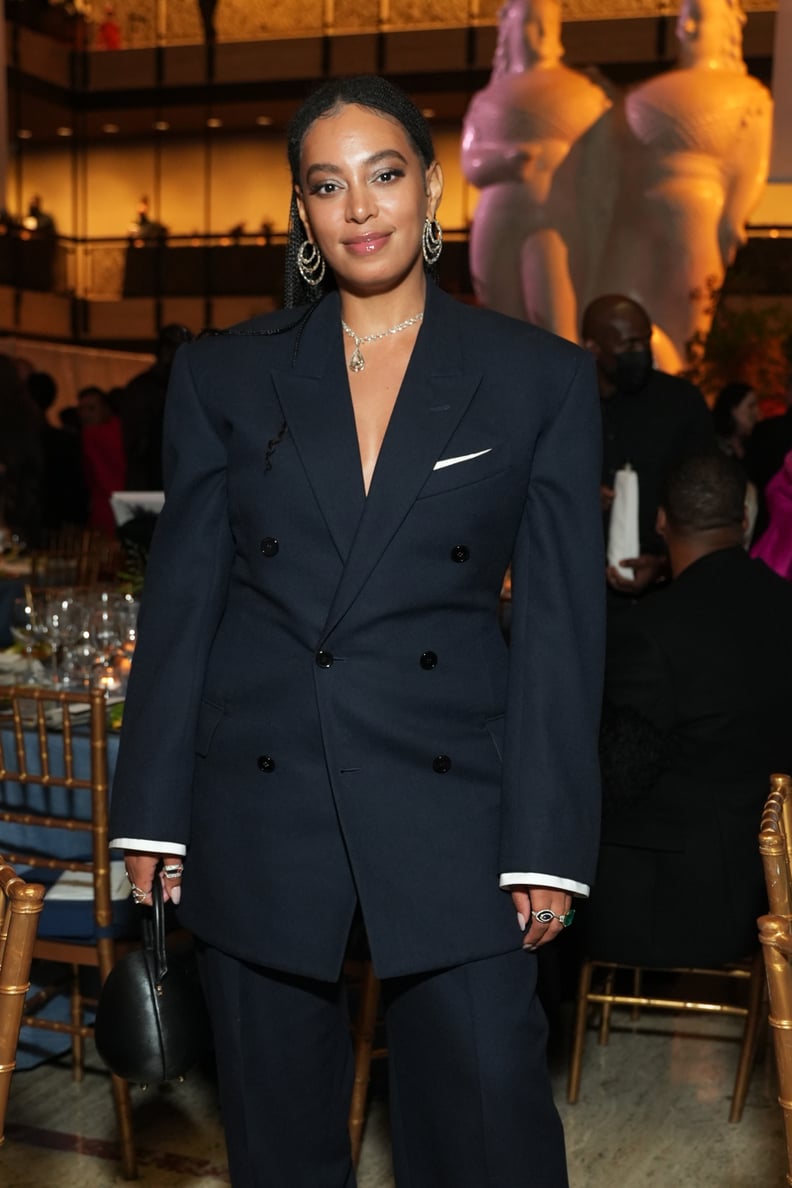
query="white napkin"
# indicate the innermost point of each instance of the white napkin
(14, 664)
(12, 661)
(623, 537)
(128, 504)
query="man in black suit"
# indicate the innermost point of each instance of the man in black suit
(696, 718)
(649, 420)
(64, 499)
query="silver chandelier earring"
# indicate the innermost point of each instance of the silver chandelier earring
(310, 263)
(432, 241)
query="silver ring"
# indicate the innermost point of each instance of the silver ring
(545, 916)
(138, 894)
(173, 870)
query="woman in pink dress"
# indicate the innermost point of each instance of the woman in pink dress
(104, 461)
(774, 546)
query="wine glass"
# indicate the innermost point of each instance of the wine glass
(29, 629)
(105, 628)
(64, 616)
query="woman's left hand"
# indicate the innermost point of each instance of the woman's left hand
(528, 900)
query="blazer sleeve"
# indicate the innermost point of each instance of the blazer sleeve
(186, 584)
(551, 783)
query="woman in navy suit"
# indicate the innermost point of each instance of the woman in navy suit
(322, 711)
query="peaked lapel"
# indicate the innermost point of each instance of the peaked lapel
(433, 397)
(317, 407)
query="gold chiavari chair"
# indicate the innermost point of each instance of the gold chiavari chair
(364, 1030)
(20, 907)
(76, 556)
(774, 842)
(46, 796)
(775, 935)
(744, 975)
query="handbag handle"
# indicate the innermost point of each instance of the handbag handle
(154, 932)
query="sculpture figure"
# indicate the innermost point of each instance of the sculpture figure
(695, 162)
(536, 145)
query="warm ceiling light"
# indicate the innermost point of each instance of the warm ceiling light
(264, 121)
(161, 126)
(110, 128)
(64, 131)
(25, 134)
(774, 233)
(428, 113)
(214, 122)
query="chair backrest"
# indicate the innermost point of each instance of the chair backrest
(20, 907)
(53, 777)
(774, 845)
(76, 557)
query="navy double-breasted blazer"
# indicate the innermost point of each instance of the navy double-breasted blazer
(322, 707)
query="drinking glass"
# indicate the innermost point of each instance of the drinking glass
(29, 629)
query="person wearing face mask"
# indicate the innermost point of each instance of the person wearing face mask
(650, 420)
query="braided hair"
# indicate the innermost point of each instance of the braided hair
(364, 90)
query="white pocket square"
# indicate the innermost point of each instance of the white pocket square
(462, 458)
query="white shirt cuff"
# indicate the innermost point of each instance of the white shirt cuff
(149, 847)
(531, 879)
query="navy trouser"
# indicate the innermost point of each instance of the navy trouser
(470, 1099)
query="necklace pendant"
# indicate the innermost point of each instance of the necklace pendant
(357, 362)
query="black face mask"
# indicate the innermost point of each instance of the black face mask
(630, 371)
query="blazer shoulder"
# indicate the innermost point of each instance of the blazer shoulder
(225, 346)
(274, 322)
(491, 331)
(490, 339)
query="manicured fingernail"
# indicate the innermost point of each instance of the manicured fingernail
(176, 894)
(521, 920)
(529, 948)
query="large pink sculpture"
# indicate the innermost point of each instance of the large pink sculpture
(695, 161)
(537, 146)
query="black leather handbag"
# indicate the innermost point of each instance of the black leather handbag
(151, 1020)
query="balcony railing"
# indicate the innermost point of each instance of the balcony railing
(114, 268)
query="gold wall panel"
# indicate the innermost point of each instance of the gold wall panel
(356, 14)
(244, 20)
(183, 21)
(247, 20)
(415, 13)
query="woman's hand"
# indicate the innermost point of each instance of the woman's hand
(141, 867)
(538, 899)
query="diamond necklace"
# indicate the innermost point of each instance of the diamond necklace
(357, 362)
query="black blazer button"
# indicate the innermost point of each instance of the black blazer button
(460, 553)
(325, 659)
(441, 764)
(266, 763)
(428, 660)
(269, 546)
